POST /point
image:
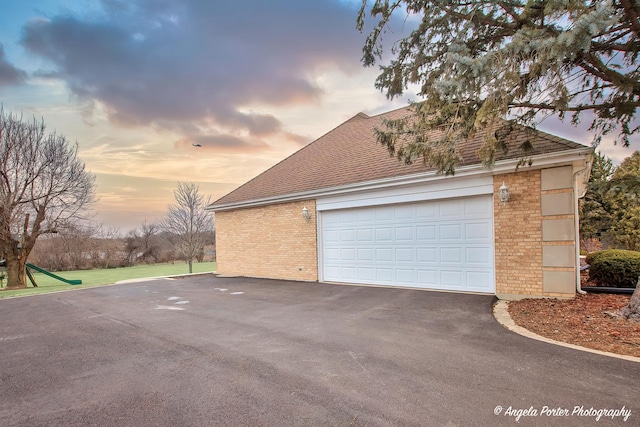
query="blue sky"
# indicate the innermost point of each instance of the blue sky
(137, 82)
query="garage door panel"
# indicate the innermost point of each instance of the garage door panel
(384, 275)
(332, 254)
(348, 235)
(478, 280)
(349, 273)
(428, 278)
(438, 245)
(366, 273)
(384, 213)
(384, 254)
(364, 216)
(365, 235)
(477, 231)
(331, 236)
(348, 254)
(451, 255)
(426, 211)
(404, 233)
(450, 209)
(332, 270)
(477, 207)
(452, 279)
(405, 276)
(384, 234)
(450, 232)
(405, 255)
(479, 255)
(365, 254)
(404, 212)
(427, 254)
(426, 232)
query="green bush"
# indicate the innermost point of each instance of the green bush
(594, 256)
(614, 267)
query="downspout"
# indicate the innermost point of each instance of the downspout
(576, 216)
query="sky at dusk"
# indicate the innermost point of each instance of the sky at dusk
(137, 82)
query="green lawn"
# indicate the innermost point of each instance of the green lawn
(107, 276)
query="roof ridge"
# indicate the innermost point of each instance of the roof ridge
(551, 137)
(384, 113)
(564, 141)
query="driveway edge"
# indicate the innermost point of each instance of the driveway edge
(173, 276)
(502, 316)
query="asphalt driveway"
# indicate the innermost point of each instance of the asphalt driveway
(242, 352)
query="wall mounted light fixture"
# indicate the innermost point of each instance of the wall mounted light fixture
(306, 214)
(504, 193)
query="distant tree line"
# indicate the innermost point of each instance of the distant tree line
(100, 246)
(185, 234)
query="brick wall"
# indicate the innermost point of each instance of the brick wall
(518, 235)
(272, 241)
(521, 269)
(532, 245)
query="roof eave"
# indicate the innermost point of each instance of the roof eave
(500, 167)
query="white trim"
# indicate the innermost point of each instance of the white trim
(579, 191)
(504, 166)
(319, 242)
(493, 237)
(453, 187)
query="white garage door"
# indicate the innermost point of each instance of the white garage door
(443, 244)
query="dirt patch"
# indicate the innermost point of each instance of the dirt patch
(580, 321)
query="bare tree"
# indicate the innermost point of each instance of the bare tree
(148, 232)
(106, 246)
(131, 247)
(43, 186)
(144, 244)
(189, 222)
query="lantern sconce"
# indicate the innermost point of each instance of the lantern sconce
(306, 214)
(504, 193)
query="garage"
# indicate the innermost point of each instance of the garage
(439, 244)
(342, 210)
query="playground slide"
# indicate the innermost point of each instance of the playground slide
(62, 279)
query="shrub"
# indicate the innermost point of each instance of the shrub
(614, 267)
(594, 256)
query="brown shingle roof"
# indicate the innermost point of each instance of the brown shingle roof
(350, 154)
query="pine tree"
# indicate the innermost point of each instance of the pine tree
(476, 62)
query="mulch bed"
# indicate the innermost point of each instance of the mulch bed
(580, 321)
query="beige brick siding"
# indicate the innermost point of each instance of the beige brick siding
(272, 241)
(518, 237)
(275, 241)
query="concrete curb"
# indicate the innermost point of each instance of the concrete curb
(173, 276)
(501, 314)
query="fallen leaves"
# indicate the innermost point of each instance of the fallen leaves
(581, 321)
